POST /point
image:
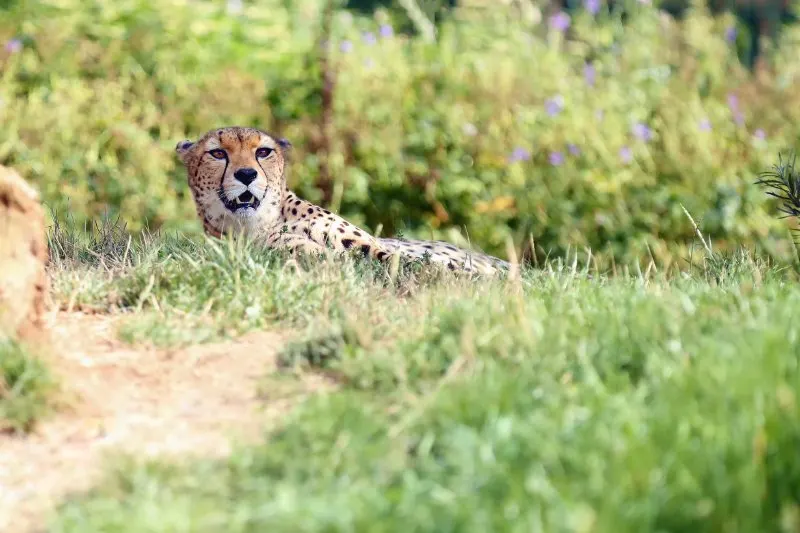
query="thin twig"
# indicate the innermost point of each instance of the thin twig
(697, 230)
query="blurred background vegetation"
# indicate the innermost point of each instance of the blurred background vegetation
(564, 126)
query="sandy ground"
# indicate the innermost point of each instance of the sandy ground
(195, 400)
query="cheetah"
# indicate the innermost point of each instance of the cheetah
(237, 176)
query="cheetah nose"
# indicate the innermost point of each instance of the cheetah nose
(246, 175)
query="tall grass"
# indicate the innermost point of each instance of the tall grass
(562, 400)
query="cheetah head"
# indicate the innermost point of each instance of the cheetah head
(236, 176)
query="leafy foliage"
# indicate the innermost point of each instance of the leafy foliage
(508, 126)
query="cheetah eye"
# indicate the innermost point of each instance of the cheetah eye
(261, 153)
(218, 154)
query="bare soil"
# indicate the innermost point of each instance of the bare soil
(138, 400)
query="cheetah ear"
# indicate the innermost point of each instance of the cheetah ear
(182, 149)
(284, 143)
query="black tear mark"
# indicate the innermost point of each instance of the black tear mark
(347, 243)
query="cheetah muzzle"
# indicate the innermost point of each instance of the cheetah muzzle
(242, 204)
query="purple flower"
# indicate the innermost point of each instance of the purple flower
(705, 125)
(556, 158)
(592, 6)
(730, 34)
(733, 104)
(642, 132)
(573, 149)
(13, 46)
(386, 31)
(760, 134)
(560, 21)
(626, 154)
(554, 105)
(589, 74)
(346, 47)
(369, 38)
(519, 154)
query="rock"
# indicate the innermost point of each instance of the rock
(23, 257)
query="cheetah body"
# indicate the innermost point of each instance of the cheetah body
(237, 177)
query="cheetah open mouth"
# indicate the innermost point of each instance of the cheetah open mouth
(246, 200)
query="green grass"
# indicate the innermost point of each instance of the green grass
(178, 288)
(566, 400)
(25, 387)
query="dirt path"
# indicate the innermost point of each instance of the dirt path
(189, 401)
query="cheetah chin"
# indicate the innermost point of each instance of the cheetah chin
(237, 177)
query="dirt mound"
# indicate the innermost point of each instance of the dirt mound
(23, 256)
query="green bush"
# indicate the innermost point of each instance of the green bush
(492, 132)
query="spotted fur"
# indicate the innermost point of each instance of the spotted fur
(238, 180)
